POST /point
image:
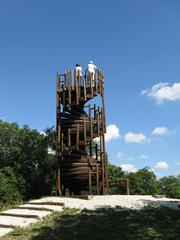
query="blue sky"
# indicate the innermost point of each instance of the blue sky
(136, 43)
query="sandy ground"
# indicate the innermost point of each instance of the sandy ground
(32, 213)
(134, 202)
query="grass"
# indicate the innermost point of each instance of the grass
(150, 223)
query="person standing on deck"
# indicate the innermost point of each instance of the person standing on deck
(90, 72)
(78, 71)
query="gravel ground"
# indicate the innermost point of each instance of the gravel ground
(134, 202)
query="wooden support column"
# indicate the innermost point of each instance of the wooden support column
(77, 89)
(94, 111)
(96, 83)
(69, 89)
(90, 182)
(97, 179)
(96, 151)
(91, 86)
(89, 111)
(84, 86)
(98, 121)
(127, 186)
(64, 98)
(102, 162)
(79, 84)
(65, 80)
(84, 128)
(69, 137)
(58, 139)
(77, 136)
(100, 86)
(91, 128)
(107, 174)
(90, 148)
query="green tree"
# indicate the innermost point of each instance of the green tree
(116, 173)
(143, 182)
(170, 186)
(26, 151)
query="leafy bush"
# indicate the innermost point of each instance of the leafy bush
(170, 186)
(11, 188)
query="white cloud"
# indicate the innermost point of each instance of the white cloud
(160, 131)
(161, 165)
(143, 156)
(163, 91)
(134, 137)
(112, 133)
(123, 156)
(127, 167)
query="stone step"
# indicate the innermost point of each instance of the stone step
(10, 222)
(25, 213)
(39, 202)
(43, 207)
(5, 230)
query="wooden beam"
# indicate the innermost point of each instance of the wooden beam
(84, 126)
(77, 136)
(90, 182)
(91, 86)
(127, 186)
(69, 137)
(97, 179)
(84, 85)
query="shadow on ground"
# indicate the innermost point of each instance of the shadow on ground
(155, 223)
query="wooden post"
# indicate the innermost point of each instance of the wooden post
(97, 179)
(98, 122)
(79, 84)
(89, 110)
(77, 89)
(84, 85)
(77, 136)
(90, 148)
(64, 98)
(96, 84)
(94, 111)
(58, 132)
(107, 182)
(84, 128)
(65, 80)
(69, 137)
(96, 151)
(91, 128)
(90, 182)
(127, 186)
(91, 86)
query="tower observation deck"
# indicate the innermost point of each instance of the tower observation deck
(82, 165)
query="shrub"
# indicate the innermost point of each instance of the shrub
(11, 188)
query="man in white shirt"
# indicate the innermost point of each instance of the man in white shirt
(91, 68)
(90, 72)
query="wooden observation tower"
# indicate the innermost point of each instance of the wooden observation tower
(82, 165)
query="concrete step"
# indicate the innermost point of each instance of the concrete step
(4, 231)
(42, 207)
(10, 222)
(25, 213)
